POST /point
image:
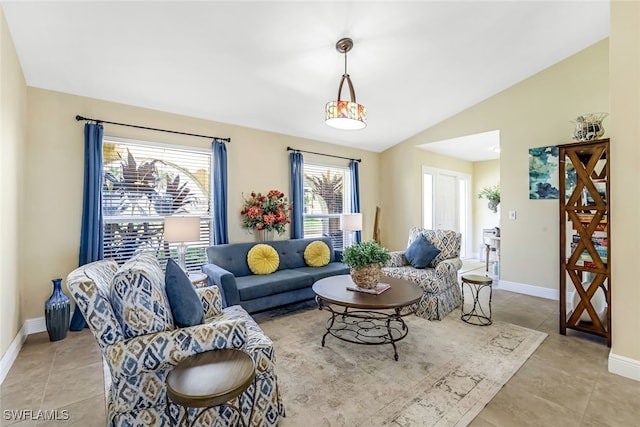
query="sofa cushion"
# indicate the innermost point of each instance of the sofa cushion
(138, 297)
(185, 304)
(447, 241)
(317, 254)
(421, 252)
(263, 259)
(256, 286)
(233, 256)
(331, 269)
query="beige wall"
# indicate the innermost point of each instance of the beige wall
(625, 177)
(485, 174)
(13, 94)
(257, 161)
(401, 189)
(532, 113)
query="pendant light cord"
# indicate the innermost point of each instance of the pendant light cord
(345, 64)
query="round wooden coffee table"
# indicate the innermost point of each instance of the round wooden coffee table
(362, 321)
(207, 380)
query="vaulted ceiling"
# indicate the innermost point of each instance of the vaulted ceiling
(273, 65)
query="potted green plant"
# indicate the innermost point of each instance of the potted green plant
(365, 260)
(492, 194)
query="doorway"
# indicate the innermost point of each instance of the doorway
(446, 203)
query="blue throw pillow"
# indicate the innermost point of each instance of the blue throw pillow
(421, 252)
(185, 305)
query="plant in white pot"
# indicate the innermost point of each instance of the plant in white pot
(365, 260)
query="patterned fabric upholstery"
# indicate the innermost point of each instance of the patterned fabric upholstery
(139, 299)
(440, 281)
(139, 365)
(211, 300)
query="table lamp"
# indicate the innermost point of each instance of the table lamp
(351, 222)
(182, 229)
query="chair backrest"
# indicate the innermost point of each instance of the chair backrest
(89, 286)
(448, 241)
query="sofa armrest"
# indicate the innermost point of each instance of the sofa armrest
(152, 352)
(226, 283)
(397, 259)
(337, 254)
(211, 300)
(448, 266)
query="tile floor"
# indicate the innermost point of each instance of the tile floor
(564, 383)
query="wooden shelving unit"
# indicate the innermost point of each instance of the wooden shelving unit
(585, 246)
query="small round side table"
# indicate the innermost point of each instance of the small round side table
(198, 279)
(477, 315)
(207, 380)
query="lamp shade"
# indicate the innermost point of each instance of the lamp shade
(351, 222)
(345, 115)
(182, 229)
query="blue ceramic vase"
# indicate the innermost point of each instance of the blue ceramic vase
(56, 312)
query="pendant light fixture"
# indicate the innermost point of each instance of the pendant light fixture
(345, 114)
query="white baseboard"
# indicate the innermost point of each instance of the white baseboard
(12, 353)
(35, 325)
(522, 288)
(30, 326)
(624, 366)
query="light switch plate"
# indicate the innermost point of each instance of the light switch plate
(512, 214)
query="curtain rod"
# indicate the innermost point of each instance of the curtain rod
(79, 118)
(322, 154)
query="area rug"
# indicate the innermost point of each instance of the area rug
(446, 373)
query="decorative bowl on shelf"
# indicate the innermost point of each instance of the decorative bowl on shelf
(588, 126)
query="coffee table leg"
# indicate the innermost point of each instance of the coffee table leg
(393, 343)
(322, 305)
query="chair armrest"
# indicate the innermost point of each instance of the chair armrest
(226, 283)
(211, 300)
(448, 266)
(152, 352)
(397, 259)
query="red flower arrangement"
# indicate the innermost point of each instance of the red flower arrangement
(270, 212)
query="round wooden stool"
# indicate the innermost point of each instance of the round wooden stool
(207, 380)
(477, 315)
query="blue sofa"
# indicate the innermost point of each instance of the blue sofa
(291, 282)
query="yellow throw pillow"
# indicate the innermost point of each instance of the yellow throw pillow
(317, 254)
(263, 259)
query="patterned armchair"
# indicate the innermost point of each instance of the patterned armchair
(141, 353)
(439, 281)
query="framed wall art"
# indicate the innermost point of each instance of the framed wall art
(543, 173)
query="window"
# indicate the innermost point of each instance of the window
(327, 192)
(142, 184)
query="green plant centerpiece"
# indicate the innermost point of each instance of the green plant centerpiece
(492, 194)
(365, 260)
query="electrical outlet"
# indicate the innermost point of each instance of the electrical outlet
(512, 214)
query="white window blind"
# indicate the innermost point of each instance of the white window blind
(326, 191)
(142, 184)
